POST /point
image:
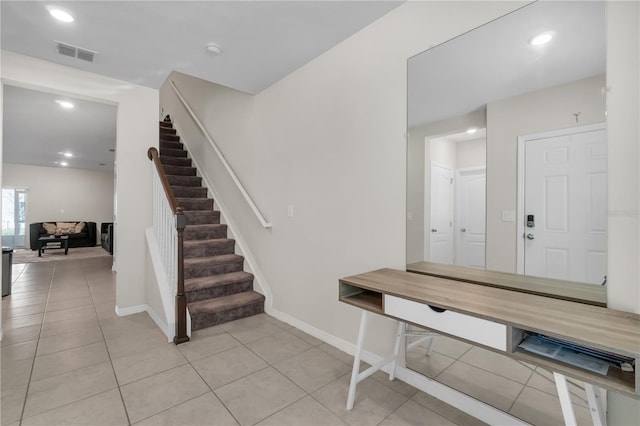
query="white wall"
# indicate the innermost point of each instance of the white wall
(534, 112)
(329, 139)
(59, 194)
(471, 153)
(623, 116)
(137, 120)
(443, 152)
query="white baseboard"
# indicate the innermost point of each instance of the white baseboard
(167, 329)
(330, 339)
(455, 398)
(130, 310)
(461, 401)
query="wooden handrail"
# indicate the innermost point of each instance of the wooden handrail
(153, 155)
(181, 222)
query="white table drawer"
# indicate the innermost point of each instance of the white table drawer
(467, 327)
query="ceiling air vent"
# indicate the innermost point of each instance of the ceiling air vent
(75, 52)
(65, 50)
(86, 55)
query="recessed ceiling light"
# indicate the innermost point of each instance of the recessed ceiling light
(472, 131)
(68, 154)
(64, 163)
(61, 15)
(64, 104)
(540, 39)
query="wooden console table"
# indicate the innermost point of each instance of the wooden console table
(497, 319)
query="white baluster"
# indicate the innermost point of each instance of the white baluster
(164, 228)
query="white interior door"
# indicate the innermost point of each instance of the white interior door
(441, 237)
(470, 227)
(565, 192)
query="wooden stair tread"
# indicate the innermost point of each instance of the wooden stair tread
(193, 284)
(205, 226)
(225, 303)
(222, 258)
(209, 241)
(217, 289)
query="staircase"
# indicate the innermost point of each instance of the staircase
(217, 288)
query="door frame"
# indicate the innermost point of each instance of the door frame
(522, 140)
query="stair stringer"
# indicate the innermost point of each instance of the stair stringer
(251, 265)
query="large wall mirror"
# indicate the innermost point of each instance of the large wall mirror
(507, 171)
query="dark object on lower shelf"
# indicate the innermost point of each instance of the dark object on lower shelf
(106, 236)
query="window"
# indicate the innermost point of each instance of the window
(13, 217)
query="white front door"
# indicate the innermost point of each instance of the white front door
(470, 226)
(440, 236)
(565, 205)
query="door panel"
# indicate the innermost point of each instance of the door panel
(565, 184)
(440, 238)
(470, 224)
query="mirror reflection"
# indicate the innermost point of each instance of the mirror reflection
(542, 109)
(506, 170)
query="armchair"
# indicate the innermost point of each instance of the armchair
(106, 236)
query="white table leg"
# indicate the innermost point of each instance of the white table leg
(357, 377)
(595, 404)
(565, 399)
(356, 360)
(429, 345)
(396, 350)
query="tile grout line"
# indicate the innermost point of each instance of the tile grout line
(207, 383)
(104, 339)
(244, 345)
(277, 371)
(26, 395)
(80, 399)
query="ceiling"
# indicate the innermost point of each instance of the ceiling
(495, 61)
(38, 131)
(143, 41)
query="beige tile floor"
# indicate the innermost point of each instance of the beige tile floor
(68, 359)
(522, 390)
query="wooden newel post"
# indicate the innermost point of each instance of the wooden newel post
(181, 300)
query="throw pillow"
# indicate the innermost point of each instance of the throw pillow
(66, 227)
(79, 227)
(49, 227)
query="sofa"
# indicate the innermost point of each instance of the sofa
(81, 234)
(106, 236)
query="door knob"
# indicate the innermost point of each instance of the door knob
(530, 236)
(463, 230)
(434, 230)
